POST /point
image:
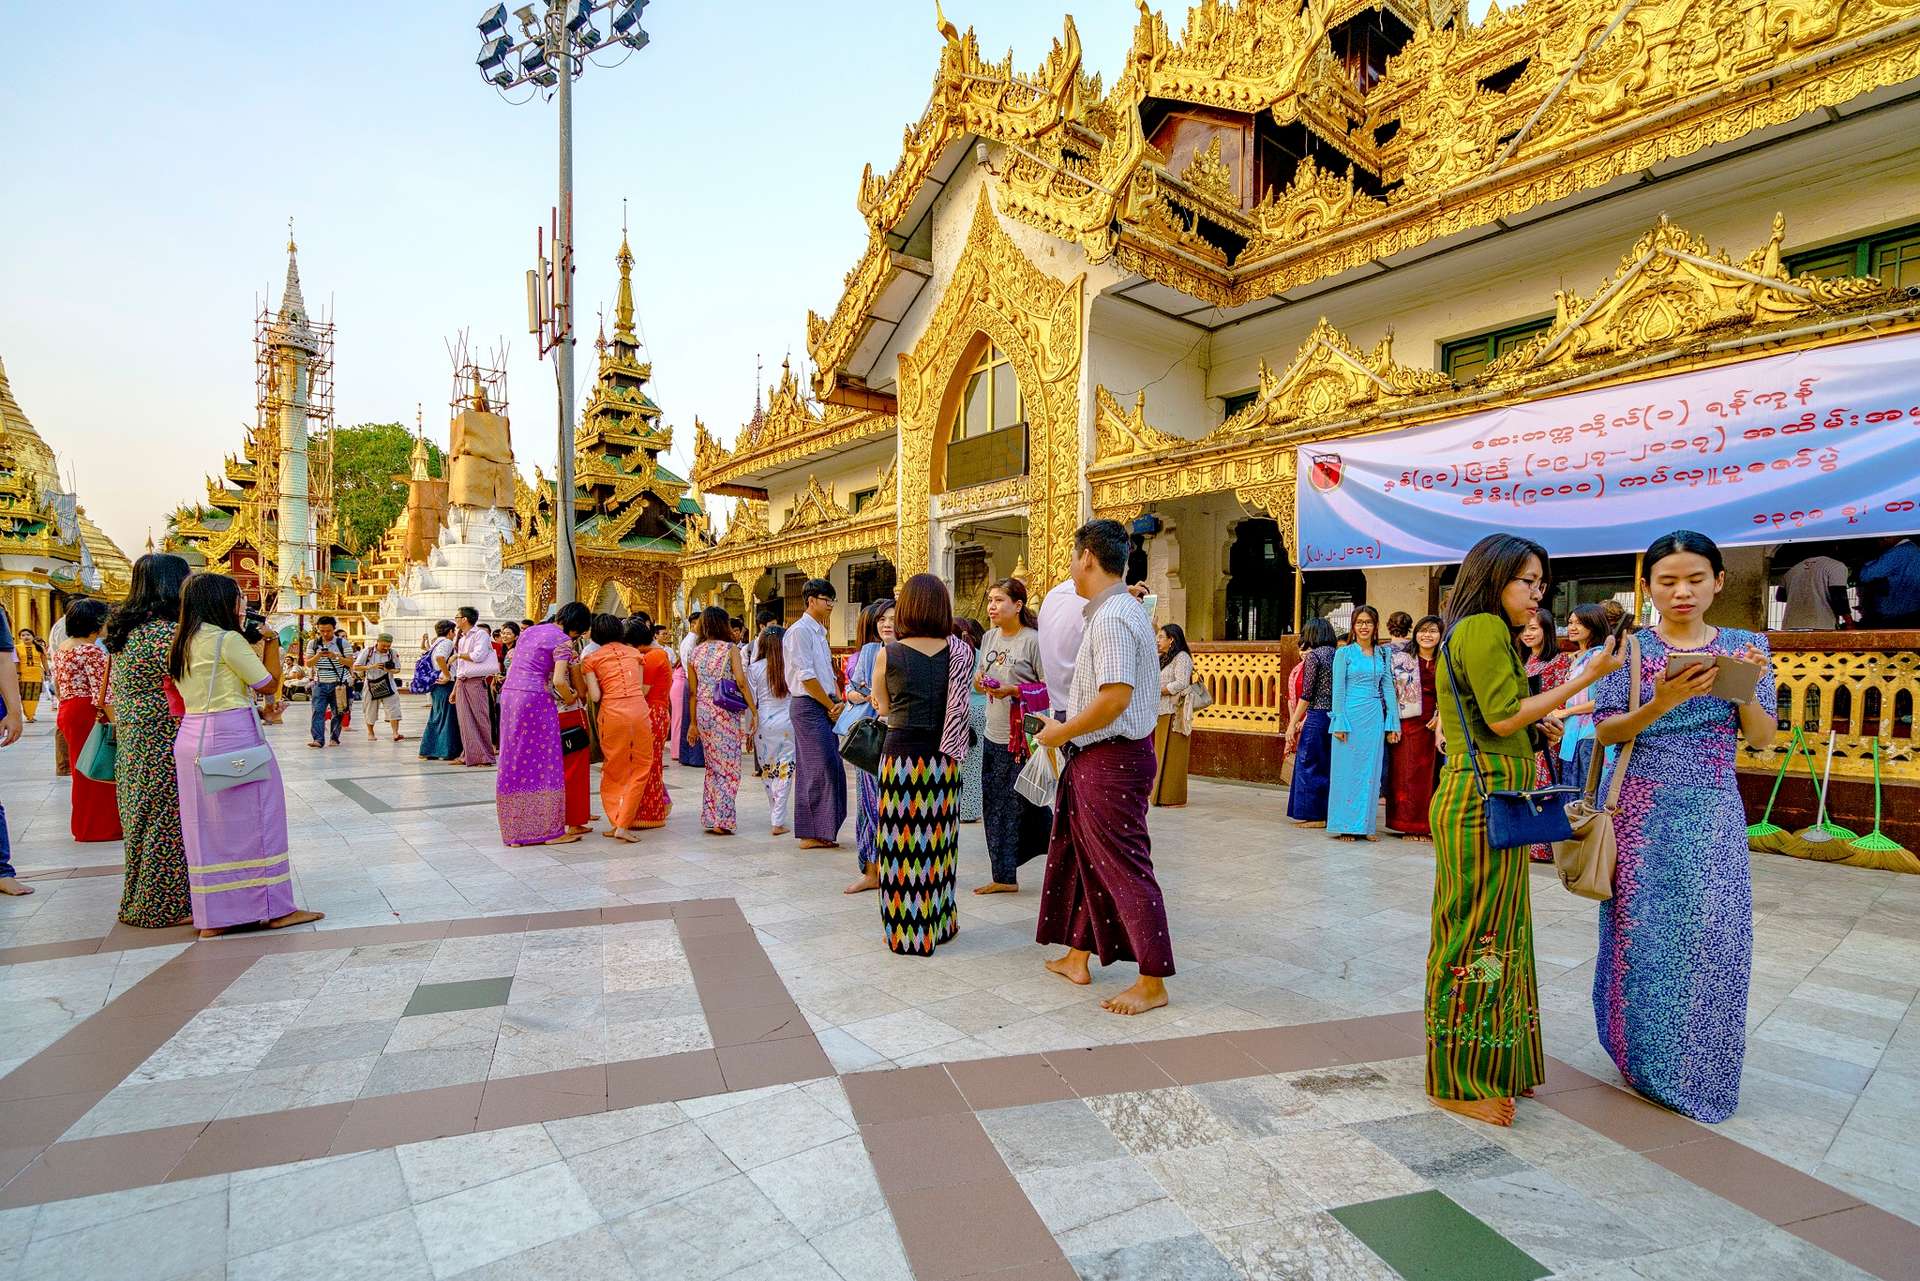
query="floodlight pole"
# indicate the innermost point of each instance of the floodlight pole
(565, 569)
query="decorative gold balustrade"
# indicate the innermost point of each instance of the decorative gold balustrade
(1860, 686)
(1248, 683)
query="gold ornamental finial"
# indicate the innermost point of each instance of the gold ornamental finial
(623, 304)
(291, 247)
(948, 31)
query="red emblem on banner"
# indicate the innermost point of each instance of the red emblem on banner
(1324, 471)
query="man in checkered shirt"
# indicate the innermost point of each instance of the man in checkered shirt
(1100, 894)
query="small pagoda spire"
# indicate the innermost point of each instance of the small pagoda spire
(623, 333)
(421, 457)
(290, 326)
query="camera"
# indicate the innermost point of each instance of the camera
(253, 626)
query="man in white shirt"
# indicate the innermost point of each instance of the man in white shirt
(820, 779)
(1100, 893)
(1063, 619)
(691, 754)
(474, 664)
(1815, 594)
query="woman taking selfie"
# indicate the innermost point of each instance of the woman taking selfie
(1483, 1001)
(1676, 938)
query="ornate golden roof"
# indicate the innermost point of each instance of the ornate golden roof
(790, 428)
(38, 516)
(1671, 304)
(1467, 123)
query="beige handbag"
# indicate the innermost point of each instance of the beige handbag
(1586, 861)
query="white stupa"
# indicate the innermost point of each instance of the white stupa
(465, 563)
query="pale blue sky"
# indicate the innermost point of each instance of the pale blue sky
(154, 151)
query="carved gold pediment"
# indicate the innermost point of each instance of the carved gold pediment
(815, 506)
(1330, 376)
(749, 525)
(791, 426)
(1671, 288)
(1243, 57)
(1125, 433)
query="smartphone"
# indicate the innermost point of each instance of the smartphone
(1033, 724)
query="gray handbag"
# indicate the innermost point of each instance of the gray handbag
(240, 765)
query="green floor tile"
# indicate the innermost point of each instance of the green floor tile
(1427, 1237)
(469, 994)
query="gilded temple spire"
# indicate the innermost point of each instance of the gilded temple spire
(623, 333)
(290, 326)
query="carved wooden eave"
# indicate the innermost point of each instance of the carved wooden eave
(1579, 103)
(790, 429)
(1673, 304)
(813, 548)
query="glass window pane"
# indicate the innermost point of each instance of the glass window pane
(1006, 396)
(973, 418)
(1464, 360)
(1827, 264)
(1897, 262)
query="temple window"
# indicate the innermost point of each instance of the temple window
(1465, 359)
(1235, 402)
(862, 499)
(987, 438)
(1893, 257)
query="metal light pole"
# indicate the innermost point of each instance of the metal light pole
(553, 49)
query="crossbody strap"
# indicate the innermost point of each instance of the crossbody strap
(1632, 668)
(1466, 726)
(220, 642)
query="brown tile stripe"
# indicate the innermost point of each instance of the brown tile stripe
(760, 1038)
(69, 873)
(908, 1113)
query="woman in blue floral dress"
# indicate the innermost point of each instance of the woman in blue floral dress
(1676, 939)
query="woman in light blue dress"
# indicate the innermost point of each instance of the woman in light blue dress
(1365, 718)
(874, 634)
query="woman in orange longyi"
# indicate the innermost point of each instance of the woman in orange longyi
(616, 684)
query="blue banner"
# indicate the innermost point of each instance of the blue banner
(1822, 443)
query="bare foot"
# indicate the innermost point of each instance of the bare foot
(1527, 1093)
(295, 918)
(871, 881)
(622, 834)
(1317, 823)
(719, 831)
(779, 831)
(815, 843)
(1492, 1111)
(13, 885)
(1072, 967)
(565, 838)
(580, 829)
(214, 934)
(1146, 994)
(996, 887)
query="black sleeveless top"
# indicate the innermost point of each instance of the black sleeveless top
(916, 688)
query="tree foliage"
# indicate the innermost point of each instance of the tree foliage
(370, 464)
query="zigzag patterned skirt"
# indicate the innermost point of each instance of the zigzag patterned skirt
(916, 846)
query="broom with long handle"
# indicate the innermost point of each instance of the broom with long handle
(1824, 830)
(1876, 848)
(1762, 835)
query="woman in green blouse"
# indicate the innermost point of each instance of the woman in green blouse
(1483, 1003)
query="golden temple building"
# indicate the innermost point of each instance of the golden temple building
(632, 516)
(1281, 226)
(51, 553)
(274, 499)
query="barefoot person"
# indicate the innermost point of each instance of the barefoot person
(820, 779)
(1099, 893)
(11, 721)
(1483, 1001)
(235, 832)
(530, 792)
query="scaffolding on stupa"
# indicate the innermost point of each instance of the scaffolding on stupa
(268, 405)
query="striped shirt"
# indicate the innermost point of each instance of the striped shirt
(1117, 649)
(329, 661)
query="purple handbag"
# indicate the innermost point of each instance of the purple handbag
(727, 695)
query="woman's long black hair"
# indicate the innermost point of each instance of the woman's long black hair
(1178, 635)
(1316, 633)
(155, 595)
(207, 600)
(773, 653)
(1494, 561)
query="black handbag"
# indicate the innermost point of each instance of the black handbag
(1515, 819)
(573, 739)
(863, 743)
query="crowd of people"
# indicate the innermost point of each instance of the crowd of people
(1088, 700)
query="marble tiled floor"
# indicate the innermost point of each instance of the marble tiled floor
(1272, 927)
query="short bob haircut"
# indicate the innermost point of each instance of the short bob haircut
(607, 629)
(1316, 633)
(923, 608)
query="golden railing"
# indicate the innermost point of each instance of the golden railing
(1860, 686)
(1248, 683)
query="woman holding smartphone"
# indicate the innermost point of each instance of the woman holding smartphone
(1676, 938)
